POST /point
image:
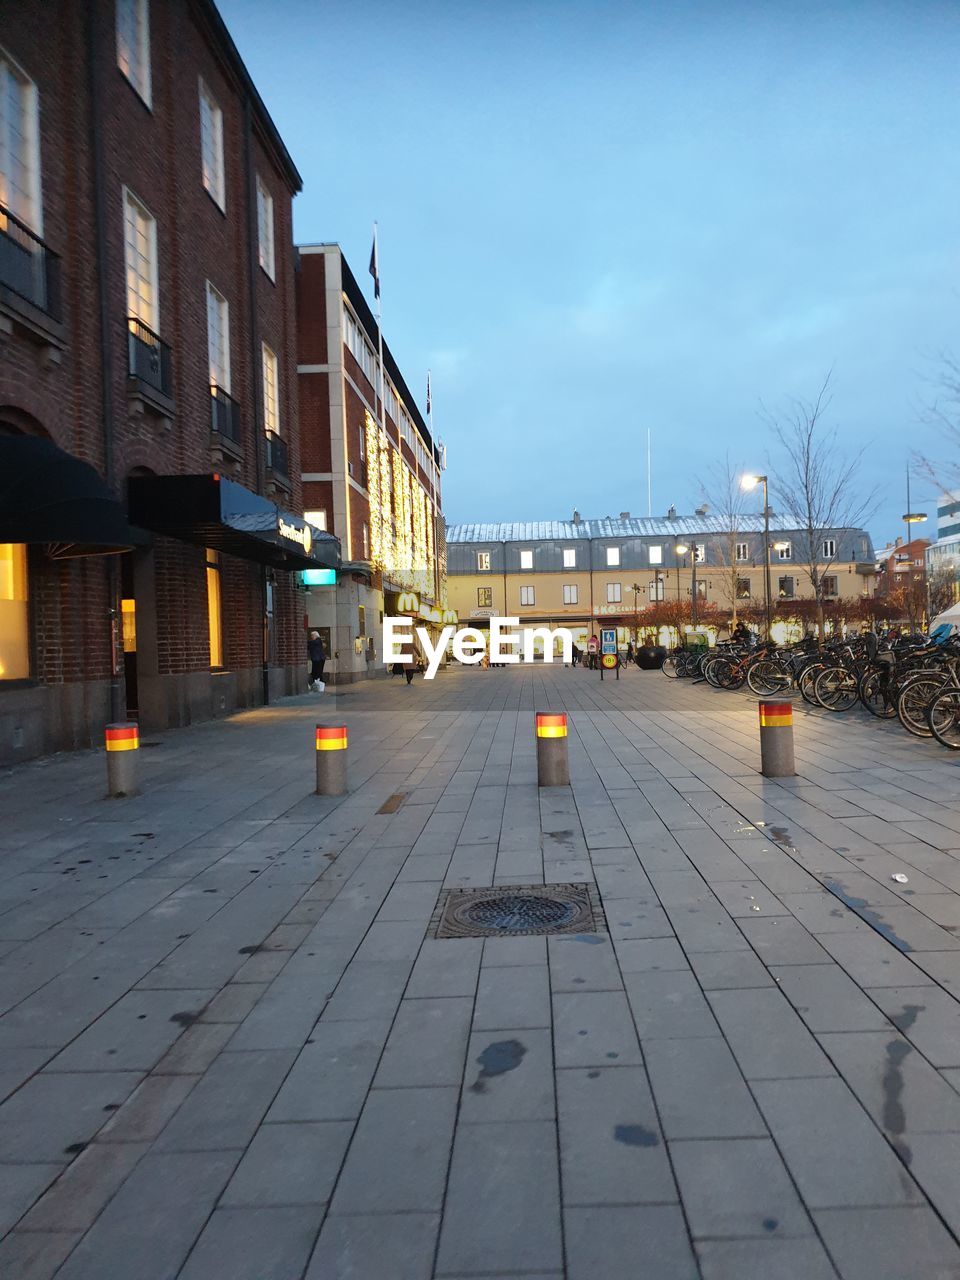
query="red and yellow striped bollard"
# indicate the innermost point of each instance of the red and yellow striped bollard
(123, 747)
(331, 760)
(776, 740)
(553, 765)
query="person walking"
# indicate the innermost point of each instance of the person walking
(410, 650)
(318, 658)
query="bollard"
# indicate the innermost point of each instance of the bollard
(776, 740)
(123, 746)
(331, 760)
(553, 767)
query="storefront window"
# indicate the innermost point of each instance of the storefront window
(213, 608)
(14, 632)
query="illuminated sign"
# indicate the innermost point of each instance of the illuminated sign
(319, 577)
(294, 533)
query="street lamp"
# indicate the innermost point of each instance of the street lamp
(681, 549)
(748, 483)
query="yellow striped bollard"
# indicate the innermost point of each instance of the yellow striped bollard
(331, 760)
(553, 766)
(776, 740)
(123, 747)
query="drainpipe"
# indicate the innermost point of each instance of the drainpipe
(117, 709)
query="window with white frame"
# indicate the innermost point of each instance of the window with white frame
(785, 551)
(655, 590)
(218, 339)
(830, 586)
(571, 593)
(785, 588)
(527, 596)
(613, 593)
(133, 44)
(317, 518)
(483, 561)
(526, 559)
(358, 346)
(699, 552)
(19, 145)
(265, 228)
(743, 552)
(613, 556)
(140, 260)
(655, 554)
(271, 391)
(211, 146)
(569, 557)
(829, 548)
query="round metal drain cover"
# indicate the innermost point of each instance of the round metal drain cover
(526, 909)
(513, 913)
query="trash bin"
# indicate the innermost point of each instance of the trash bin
(650, 656)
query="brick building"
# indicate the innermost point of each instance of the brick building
(370, 472)
(902, 578)
(147, 315)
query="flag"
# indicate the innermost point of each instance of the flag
(429, 397)
(375, 264)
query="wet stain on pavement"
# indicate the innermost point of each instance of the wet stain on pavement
(866, 912)
(496, 1060)
(590, 938)
(782, 836)
(771, 1224)
(635, 1135)
(894, 1117)
(187, 1018)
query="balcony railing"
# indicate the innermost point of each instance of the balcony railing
(27, 267)
(277, 459)
(149, 357)
(224, 414)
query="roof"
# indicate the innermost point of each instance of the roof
(638, 527)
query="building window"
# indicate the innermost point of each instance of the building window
(526, 559)
(656, 555)
(317, 518)
(829, 548)
(365, 539)
(785, 589)
(830, 588)
(613, 593)
(265, 228)
(214, 608)
(14, 631)
(785, 551)
(358, 346)
(527, 595)
(483, 561)
(133, 44)
(699, 552)
(655, 591)
(613, 557)
(218, 338)
(484, 597)
(211, 146)
(569, 557)
(361, 620)
(743, 552)
(140, 253)
(571, 593)
(271, 391)
(19, 146)
(743, 588)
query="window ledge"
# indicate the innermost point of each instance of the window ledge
(144, 398)
(36, 325)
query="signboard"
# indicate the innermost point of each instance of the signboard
(609, 660)
(319, 577)
(608, 641)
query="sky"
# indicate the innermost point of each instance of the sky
(601, 219)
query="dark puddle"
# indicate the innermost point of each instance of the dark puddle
(496, 1060)
(635, 1135)
(866, 912)
(782, 836)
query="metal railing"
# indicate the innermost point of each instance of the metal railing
(224, 414)
(149, 357)
(27, 267)
(277, 458)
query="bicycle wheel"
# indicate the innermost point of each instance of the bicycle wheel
(836, 689)
(915, 696)
(730, 675)
(807, 679)
(669, 667)
(767, 677)
(875, 694)
(943, 717)
(709, 668)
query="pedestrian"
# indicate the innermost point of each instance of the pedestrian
(629, 650)
(575, 654)
(410, 650)
(318, 658)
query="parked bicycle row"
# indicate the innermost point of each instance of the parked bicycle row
(912, 679)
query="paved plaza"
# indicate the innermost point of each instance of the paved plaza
(230, 1050)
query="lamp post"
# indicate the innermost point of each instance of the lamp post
(748, 483)
(681, 549)
(636, 615)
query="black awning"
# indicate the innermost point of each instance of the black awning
(213, 512)
(49, 496)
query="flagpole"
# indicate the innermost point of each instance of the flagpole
(435, 468)
(649, 478)
(376, 262)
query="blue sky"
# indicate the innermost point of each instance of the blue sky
(598, 218)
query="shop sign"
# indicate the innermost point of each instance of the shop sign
(294, 533)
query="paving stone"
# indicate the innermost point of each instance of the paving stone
(233, 1003)
(144, 1114)
(737, 1187)
(78, 1195)
(410, 902)
(513, 997)
(811, 1120)
(707, 927)
(747, 898)
(331, 1076)
(290, 1164)
(196, 1049)
(827, 999)
(609, 1242)
(379, 1246)
(872, 961)
(20, 1186)
(509, 1076)
(446, 967)
(641, 955)
(594, 1029)
(225, 1108)
(510, 1169)
(582, 962)
(427, 1044)
(254, 1244)
(59, 1110)
(699, 1090)
(628, 918)
(780, 940)
(35, 1255)
(668, 1006)
(942, 966)
(367, 990)
(767, 1037)
(787, 1259)
(134, 1034)
(612, 1151)
(415, 1126)
(726, 970)
(927, 1016)
(889, 1243)
(512, 951)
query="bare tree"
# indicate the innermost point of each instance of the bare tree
(726, 498)
(942, 587)
(817, 485)
(944, 414)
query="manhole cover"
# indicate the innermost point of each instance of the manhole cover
(514, 910)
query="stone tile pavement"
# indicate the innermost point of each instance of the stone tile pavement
(230, 1051)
